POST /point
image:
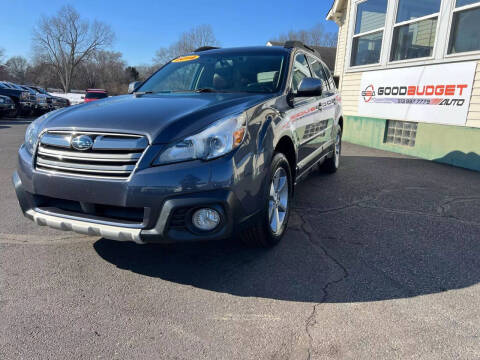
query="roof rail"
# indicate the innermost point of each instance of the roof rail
(205, 48)
(295, 43)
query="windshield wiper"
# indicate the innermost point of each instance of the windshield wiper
(199, 90)
(138, 93)
(205, 90)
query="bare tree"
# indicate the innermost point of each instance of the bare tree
(190, 40)
(315, 36)
(65, 40)
(105, 69)
(17, 68)
(3, 69)
(145, 71)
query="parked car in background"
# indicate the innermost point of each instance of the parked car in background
(7, 106)
(21, 98)
(41, 105)
(55, 101)
(95, 94)
(32, 97)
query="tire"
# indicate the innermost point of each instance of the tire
(273, 221)
(14, 113)
(332, 164)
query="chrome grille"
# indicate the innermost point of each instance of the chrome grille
(112, 155)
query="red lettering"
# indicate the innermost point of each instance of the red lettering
(450, 90)
(430, 90)
(439, 90)
(418, 90)
(411, 90)
(461, 87)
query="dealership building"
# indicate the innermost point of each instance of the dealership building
(410, 76)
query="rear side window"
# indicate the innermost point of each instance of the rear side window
(318, 72)
(95, 95)
(331, 82)
(300, 71)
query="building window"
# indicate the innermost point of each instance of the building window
(465, 32)
(400, 133)
(369, 26)
(415, 29)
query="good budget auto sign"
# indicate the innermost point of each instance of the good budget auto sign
(434, 94)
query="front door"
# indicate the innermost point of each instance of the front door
(309, 121)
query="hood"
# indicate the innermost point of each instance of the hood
(161, 117)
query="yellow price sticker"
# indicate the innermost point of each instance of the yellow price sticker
(186, 58)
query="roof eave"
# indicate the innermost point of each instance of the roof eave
(336, 12)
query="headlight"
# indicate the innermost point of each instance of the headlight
(217, 140)
(2, 100)
(31, 136)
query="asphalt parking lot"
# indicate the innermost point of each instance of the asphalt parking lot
(381, 261)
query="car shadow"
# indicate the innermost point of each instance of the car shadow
(380, 228)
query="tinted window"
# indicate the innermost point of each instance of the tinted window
(95, 95)
(465, 31)
(413, 9)
(331, 82)
(370, 15)
(223, 72)
(300, 71)
(318, 72)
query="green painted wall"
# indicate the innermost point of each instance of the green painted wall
(454, 145)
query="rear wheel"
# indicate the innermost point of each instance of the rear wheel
(332, 164)
(14, 113)
(270, 228)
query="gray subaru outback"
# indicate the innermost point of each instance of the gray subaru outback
(209, 147)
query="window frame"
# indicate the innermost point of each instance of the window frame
(440, 48)
(322, 67)
(408, 22)
(454, 10)
(292, 71)
(365, 33)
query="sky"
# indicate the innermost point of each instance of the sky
(141, 27)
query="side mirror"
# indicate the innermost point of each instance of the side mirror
(309, 87)
(134, 86)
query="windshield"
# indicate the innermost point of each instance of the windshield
(95, 95)
(256, 73)
(43, 91)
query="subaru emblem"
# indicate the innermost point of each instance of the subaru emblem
(81, 142)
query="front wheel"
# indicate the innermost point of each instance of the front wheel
(271, 227)
(332, 164)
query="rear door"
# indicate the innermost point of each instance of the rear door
(304, 115)
(321, 135)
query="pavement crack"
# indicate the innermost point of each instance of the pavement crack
(311, 320)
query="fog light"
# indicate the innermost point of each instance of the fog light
(206, 219)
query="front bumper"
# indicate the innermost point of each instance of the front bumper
(84, 227)
(167, 194)
(25, 105)
(43, 106)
